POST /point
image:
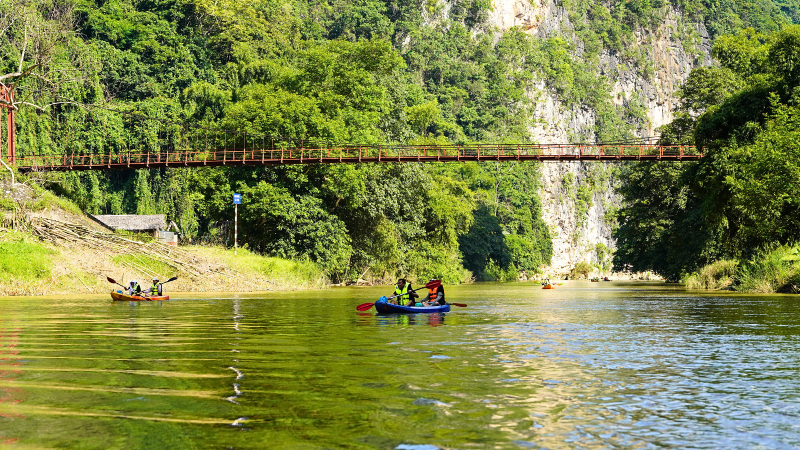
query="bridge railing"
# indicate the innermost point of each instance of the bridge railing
(169, 155)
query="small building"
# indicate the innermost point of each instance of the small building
(155, 224)
(168, 237)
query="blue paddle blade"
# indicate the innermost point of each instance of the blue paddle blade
(383, 298)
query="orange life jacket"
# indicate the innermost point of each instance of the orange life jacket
(432, 293)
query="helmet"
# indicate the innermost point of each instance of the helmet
(133, 282)
(155, 279)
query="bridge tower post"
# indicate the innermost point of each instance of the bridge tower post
(7, 97)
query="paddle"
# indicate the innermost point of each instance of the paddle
(431, 285)
(111, 280)
(171, 279)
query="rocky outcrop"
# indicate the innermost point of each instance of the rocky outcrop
(576, 230)
(577, 226)
(646, 83)
(506, 14)
(671, 64)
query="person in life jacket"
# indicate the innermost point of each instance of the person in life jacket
(404, 292)
(435, 296)
(134, 288)
(156, 289)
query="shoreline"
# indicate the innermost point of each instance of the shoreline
(33, 263)
(776, 271)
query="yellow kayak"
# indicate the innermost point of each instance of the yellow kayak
(118, 297)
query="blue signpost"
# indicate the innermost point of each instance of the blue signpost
(237, 200)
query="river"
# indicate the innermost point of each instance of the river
(586, 365)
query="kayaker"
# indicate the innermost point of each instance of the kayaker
(134, 288)
(404, 292)
(156, 289)
(435, 296)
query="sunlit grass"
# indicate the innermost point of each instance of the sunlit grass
(285, 274)
(52, 201)
(717, 275)
(770, 271)
(21, 256)
(25, 264)
(776, 270)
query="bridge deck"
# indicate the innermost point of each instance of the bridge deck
(357, 154)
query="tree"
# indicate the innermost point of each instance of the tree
(43, 60)
(278, 223)
(765, 188)
(706, 87)
(483, 243)
(661, 225)
(743, 53)
(784, 55)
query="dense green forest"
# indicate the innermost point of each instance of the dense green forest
(365, 72)
(741, 202)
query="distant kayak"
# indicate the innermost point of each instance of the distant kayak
(384, 307)
(117, 297)
(548, 286)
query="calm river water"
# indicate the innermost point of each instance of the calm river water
(587, 365)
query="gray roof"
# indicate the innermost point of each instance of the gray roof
(132, 222)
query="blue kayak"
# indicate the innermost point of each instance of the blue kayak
(385, 307)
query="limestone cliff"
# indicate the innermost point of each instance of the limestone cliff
(578, 225)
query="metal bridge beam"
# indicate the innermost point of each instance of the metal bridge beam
(270, 157)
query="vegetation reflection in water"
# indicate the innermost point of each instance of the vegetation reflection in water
(614, 365)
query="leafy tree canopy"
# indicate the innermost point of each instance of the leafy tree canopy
(741, 197)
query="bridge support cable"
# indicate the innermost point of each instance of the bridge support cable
(158, 142)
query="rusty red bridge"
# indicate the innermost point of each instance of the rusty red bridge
(139, 142)
(260, 156)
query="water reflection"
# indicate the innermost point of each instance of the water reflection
(431, 319)
(580, 366)
(10, 370)
(236, 316)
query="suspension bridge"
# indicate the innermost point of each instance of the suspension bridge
(140, 142)
(256, 156)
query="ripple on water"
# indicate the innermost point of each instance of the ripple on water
(583, 368)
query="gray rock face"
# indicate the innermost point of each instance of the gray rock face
(670, 51)
(576, 234)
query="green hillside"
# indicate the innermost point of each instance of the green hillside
(357, 71)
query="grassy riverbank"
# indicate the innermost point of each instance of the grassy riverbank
(30, 265)
(772, 271)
